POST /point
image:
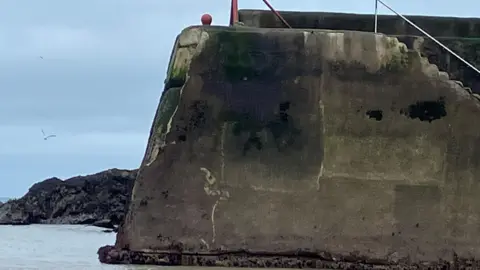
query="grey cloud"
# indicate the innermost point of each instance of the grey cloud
(76, 93)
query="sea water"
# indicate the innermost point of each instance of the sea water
(63, 247)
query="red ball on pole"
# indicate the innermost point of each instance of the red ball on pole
(206, 19)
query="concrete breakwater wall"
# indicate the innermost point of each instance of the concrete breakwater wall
(312, 148)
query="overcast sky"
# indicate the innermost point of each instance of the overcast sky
(102, 72)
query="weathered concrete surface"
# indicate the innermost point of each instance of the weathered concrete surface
(467, 48)
(277, 147)
(462, 35)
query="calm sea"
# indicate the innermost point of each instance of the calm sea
(50, 247)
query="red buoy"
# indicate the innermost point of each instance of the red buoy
(206, 19)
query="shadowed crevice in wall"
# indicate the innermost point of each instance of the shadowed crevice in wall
(426, 110)
(375, 114)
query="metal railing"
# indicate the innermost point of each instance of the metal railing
(234, 19)
(276, 13)
(234, 13)
(422, 31)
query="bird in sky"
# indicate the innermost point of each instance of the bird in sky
(41, 57)
(45, 137)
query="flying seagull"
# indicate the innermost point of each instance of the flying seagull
(45, 137)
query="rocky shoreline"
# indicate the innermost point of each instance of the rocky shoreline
(296, 259)
(99, 199)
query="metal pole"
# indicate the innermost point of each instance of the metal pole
(234, 12)
(376, 15)
(276, 13)
(432, 38)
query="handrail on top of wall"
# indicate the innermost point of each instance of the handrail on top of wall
(234, 20)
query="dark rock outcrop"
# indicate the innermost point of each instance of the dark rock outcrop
(99, 199)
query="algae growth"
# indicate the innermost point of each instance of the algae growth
(234, 52)
(400, 59)
(168, 104)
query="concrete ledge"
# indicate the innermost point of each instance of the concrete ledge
(294, 259)
(387, 24)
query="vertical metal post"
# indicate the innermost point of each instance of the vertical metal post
(376, 15)
(234, 12)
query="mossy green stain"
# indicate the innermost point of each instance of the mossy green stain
(176, 77)
(169, 82)
(179, 73)
(281, 127)
(234, 54)
(399, 60)
(166, 109)
(391, 43)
